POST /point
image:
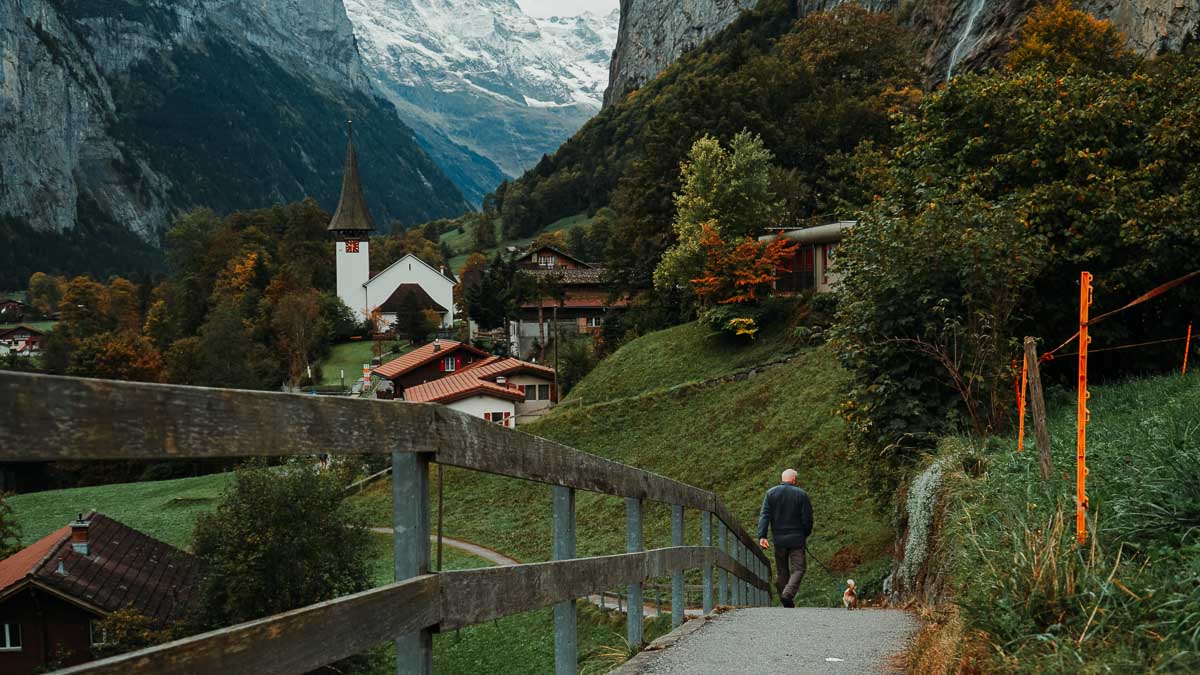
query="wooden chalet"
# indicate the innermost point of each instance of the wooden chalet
(54, 593)
(810, 267)
(21, 339)
(586, 297)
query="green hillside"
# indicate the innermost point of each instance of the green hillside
(462, 243)
(734, 438)
(1126, 602)
(686, 353)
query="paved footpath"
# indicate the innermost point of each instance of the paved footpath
(773, 640)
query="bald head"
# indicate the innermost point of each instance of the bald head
(789, 476)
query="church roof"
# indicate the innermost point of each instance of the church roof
(352, 214)
(395, 301)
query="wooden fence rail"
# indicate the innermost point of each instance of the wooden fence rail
(49, 418)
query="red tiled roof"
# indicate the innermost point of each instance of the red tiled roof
(422, 355)
(476, 379)
(123, 568)
(23, 563)
(459, 386)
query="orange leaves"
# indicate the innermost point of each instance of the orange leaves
(1063, 38)
(738, 273)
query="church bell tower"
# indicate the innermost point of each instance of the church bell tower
(351, 227)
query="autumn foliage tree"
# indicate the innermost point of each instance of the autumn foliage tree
(738, 275)
(1062, 39)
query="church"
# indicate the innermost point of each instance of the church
(386, 291)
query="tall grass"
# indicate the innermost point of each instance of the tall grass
(1126, 601)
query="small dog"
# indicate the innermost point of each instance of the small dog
(850, 598)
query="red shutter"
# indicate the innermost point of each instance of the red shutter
(442, 365)
(506, 416)
(554, 393)
(458, 363)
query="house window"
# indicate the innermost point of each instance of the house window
(500, 418)
(530, 391)
(448, 364)
(98, 633)
(10, 637)
(543, 392)
(595, 321)
(546, 262)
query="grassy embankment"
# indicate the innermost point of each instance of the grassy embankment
(1028, 598)
(350, 357)
(461, 243)
(733, 438)
(168, 510)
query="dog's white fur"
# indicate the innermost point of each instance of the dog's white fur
(850, 598)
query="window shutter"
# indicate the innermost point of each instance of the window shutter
(442, 365)
(554, 393)
(457, 362)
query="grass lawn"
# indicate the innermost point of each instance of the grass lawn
(350, 356)
(674, 356)
(164, 509)
(43, 326)
(733, 438)
(461, 244)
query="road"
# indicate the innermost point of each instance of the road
(774, 640)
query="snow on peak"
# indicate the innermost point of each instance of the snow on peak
(488, 46)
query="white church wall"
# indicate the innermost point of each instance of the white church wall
(411, 270)
(353, 270)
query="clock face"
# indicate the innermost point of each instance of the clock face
(351, 246)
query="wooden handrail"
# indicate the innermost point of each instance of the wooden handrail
(52, 418)
(310, 637)
(55, 418)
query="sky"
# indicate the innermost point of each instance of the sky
(567, 7)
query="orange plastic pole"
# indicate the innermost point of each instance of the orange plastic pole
(1082, 414)
(1021, 406)
(1186, 345)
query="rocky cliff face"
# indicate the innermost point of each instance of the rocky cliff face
(126, 111)
(960, 34)
(654, 33)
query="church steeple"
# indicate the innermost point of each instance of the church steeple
(352, 217)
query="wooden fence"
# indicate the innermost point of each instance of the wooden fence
(49, 418)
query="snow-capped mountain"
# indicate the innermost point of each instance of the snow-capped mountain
(488, 88)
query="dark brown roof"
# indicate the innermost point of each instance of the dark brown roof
(123, 568)
(352, 214)
(396, 299)
(559, 251)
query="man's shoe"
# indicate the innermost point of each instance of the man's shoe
(786, 603)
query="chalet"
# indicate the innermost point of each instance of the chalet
(54, 593)
(498, 389)
(21, 339)
(12, 309)
(810, 268)
(434, 361)
(585, 299)
(365, 293)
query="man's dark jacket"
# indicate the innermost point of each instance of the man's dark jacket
(787, 511)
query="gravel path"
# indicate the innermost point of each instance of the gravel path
(776, 640)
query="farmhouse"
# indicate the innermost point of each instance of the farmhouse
(427, 363)
(810, 267)
(54, 593)
(21, 339)
(503, 390)
(581, 307)
(12, 309)
(365, 294)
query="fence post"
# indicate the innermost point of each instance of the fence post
(410, 547)
(677, 601)
(1038, 408)
(1082, 414)
(722, 579)
(734, 580)
(706, 519)
(566, 645)
(634, 544)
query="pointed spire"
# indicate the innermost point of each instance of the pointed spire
(352, 214)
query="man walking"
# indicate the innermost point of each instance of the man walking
(787, 511)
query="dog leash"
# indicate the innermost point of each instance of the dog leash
(836, 580)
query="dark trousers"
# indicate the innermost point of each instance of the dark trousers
(790, 565)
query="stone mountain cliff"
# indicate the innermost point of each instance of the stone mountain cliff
(959, 33)
(127, 111)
